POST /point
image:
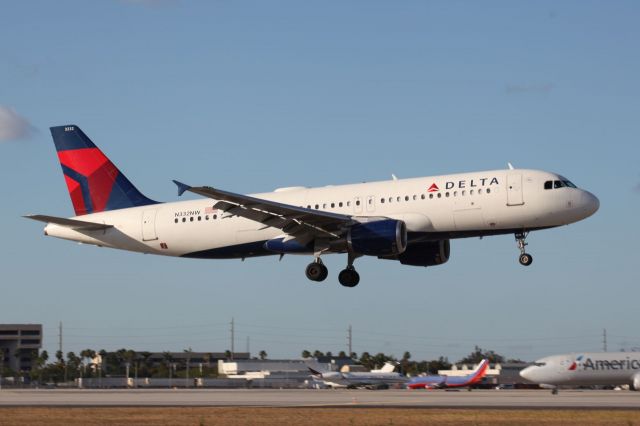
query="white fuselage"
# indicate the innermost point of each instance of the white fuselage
(585, 369)
(469, 204)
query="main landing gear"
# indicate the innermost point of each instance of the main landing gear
(348, 277)
(316, 271)
(525, 258)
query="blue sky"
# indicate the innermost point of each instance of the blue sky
(250, 96)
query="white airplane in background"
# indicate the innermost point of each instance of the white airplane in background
(407, 220)
(586, 369)
(374, 379)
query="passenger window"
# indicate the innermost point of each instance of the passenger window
(398, 199)
(199, 218)
(184, 219)
(447, 194)
(324, 205)
(357, 202)
(391, 199)
(480, 191)
(382, 200)
(333, 205)
(430, 196)
(422, 196)
(340, 204)
(439, 195)
(415, 197)
(370, 201)
(206, 217)
(348, 203)
(406, 198)
(471, 192)
(191, 219)
(488, 190)
(455, 193)
(175, 220)
(548, 184)
(317, 206)
(464, 192)
(215, 216)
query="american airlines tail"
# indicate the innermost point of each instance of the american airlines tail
(95, 184)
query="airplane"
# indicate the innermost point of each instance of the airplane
(407, 220)
(445, 382)
(374, 379)
(586, 369)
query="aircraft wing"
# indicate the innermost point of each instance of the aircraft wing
(291, 219)
(78, 225)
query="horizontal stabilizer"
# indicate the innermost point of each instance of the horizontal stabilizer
(78, 225)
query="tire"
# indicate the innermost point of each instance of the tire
(349, 278)
(316, 271)
(525, 259)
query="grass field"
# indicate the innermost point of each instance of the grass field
(316, 416)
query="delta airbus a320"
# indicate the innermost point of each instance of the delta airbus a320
(406, 220)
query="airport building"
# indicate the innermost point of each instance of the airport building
(19, 345)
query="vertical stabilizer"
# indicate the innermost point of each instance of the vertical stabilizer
(95, 184)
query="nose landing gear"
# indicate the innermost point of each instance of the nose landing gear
(525, 258)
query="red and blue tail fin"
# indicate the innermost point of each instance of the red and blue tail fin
(95, 184)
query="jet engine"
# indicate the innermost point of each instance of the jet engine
(635, 383)
(386, 237)
(428, 253)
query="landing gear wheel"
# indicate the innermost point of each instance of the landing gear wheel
(316, 271)
(349, 277)
(525, 259)
(554, 391)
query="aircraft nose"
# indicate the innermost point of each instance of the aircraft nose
(590, 203)
(527, 373)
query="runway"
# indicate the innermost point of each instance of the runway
(320, 398)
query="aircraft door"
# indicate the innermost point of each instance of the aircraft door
(371, 204)
(514, 189)
(149, 225)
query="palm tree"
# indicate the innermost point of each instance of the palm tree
(306, 354)
(263, 354)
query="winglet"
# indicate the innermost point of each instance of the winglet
(181, 187)
(510, 166)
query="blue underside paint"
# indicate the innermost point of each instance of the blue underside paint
(238, 251)
(257, 248)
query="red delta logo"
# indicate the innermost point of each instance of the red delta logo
(433, 188)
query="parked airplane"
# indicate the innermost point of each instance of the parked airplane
(407, 220)
(377, 379)
(586, 369)
(443, 382)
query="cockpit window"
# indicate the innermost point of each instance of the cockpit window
(569, 184)
(548, 184)
(558, 184)
(539, 364)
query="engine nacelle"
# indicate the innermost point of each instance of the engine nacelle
(635, 382)
(386, 237)
(428, 253)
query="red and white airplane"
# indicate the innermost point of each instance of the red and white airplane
(406, 220)
(444, 382)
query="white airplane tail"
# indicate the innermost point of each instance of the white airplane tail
(388, 367)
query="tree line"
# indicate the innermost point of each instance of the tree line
(139, 364)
